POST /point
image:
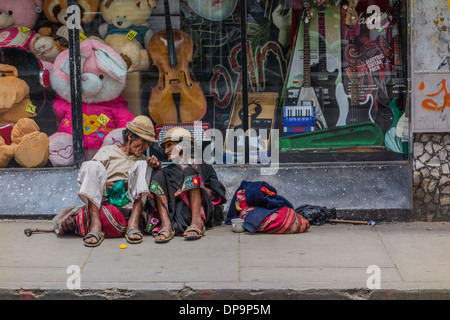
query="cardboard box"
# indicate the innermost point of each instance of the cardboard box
(261, 116)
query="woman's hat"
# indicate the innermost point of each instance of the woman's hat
(176, 134)
(142, 126)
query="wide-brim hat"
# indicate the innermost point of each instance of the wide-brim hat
(177, 134)
(142, 126)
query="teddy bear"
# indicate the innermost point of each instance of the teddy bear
(127, 30)
(17, 20)
(52, 36)
(103, 78)
(20, 136)
(14, 96)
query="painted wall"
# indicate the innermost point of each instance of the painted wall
(430, 85)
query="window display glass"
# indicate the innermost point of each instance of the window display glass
(319, 81)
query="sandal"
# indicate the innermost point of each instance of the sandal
(131, 232)
(200, 233)
(99, 236)
(168, 236)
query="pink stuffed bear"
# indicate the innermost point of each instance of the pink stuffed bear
(17, 19)
(103, 77)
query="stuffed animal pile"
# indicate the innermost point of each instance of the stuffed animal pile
(40, 26)
(23, 140)
(52, 36)
(17, 20)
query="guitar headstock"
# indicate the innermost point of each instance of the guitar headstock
(351, 17)
(307, 14)
(321, 5)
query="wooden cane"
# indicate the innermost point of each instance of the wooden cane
(30, 231)
(348, 221)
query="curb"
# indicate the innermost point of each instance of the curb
(188, 293)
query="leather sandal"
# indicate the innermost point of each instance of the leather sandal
(200, 233)
(168, 236)
(97, 235)
(132, 232)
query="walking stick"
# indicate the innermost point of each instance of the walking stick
(30, 231)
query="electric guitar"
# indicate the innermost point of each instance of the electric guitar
(357, 111)
(307, 95)
(323, 81)
(398, 129)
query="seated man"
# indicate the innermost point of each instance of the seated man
(184, 193)
(126, 164)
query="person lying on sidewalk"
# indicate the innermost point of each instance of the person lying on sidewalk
(183, 194)
(114, 165)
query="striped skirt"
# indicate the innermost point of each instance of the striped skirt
(284, 220)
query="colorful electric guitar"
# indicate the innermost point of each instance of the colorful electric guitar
(352, 110)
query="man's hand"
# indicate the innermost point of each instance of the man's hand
(109, 184)
(152, 162)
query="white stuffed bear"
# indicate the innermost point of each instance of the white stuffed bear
(127, 30)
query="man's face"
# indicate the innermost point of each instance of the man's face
(138, 146)
(215, 10)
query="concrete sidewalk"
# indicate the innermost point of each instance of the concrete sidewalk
(327, 262)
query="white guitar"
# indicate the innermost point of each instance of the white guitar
(307, 95)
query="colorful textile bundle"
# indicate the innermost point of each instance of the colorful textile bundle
(265, 211)
(284, 220)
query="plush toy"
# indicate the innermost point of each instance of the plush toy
(14, 96)
(127, 31)
(17, 20)
(52, 36)
(103, 77)
(61, 146)
(23, 140)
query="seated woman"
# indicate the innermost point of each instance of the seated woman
(113, 164)
(183, 194)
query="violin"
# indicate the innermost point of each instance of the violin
(176, 97)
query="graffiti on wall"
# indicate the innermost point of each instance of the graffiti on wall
(436, 105)
(432, 102)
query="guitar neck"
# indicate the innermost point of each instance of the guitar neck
(306, 56)
(354, 77)
(322, 47)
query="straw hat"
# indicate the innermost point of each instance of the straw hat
(176, 134)
(142, 126)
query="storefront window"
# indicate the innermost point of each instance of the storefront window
(321, 80)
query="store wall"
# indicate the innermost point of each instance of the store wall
(430, 79)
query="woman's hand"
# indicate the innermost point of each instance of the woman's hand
(154, 163)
